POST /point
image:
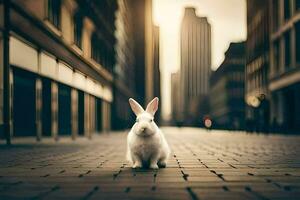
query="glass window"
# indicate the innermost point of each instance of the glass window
(276, 56)
(297, 5)
(101, 53)
(275, 14)
(287, 9)
(54, 12)
(298, 42)
(95, 48)
(287, 49)
(78, 29)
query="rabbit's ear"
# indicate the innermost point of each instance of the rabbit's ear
(135, 107)
(152, 106)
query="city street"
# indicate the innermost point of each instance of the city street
(204, 165)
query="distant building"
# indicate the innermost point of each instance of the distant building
(227, 105)
(195, 67)
(156, 72)
(257, 95)
(284, 74)
(175, 97)
(136, 71)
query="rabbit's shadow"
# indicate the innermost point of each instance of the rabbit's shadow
(143, 169)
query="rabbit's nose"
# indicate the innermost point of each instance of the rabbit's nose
(142, 129)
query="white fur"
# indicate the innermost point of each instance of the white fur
(146, 144)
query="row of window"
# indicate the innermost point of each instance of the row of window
(54, 12)
(236, 93)
(233, 97)
(101, 53)
(236, 76)
(257, 79)
(288, 45)
(290, 7)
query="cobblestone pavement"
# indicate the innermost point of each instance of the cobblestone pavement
(204, 165)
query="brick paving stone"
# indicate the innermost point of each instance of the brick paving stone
(203, 165)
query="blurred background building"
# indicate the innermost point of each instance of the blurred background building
(272, 76)
(227, 105)
(195, 47)
(68, 67)
(136, 73)
(271, 79)
(175, 97)
(272, 72)
(59, 68)
(284, 75)
(156, 72)
(257, 94)
(124, 70)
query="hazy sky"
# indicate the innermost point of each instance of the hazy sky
(228, 23)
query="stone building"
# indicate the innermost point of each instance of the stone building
(284, 73)
(227, 105)
(175, 98)
(56, 65)
(257, 95)
(136, 72)
(156, 72)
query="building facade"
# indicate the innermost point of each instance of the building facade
(57, 59)
(284, 74)
(124, 69)
(257, 95)
(175, 98)
(227, 105)
(136, 71)
(143, 36)
(195, 67)
(156, 72)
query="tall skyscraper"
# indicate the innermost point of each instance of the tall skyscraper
(195, 65)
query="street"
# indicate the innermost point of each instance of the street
(204, 165)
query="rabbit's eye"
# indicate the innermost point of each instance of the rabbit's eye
(151, 120)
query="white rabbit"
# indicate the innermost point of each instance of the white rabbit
(146, 144)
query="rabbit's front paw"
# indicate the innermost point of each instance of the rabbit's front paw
(137, 165)
(154, 166)
(162, 164)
